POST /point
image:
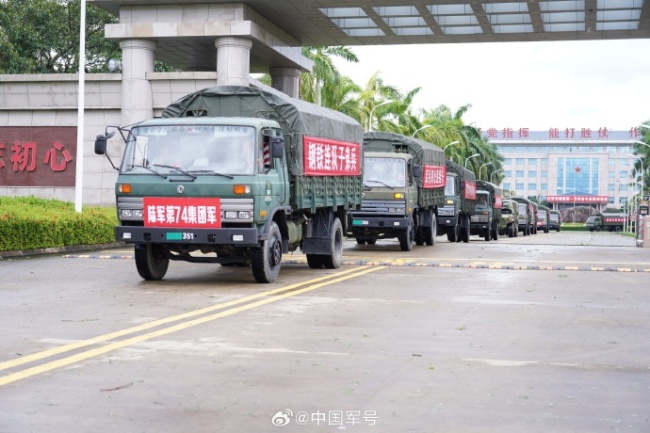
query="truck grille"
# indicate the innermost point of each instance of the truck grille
(373, 207)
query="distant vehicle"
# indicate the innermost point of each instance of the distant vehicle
(612, 222)
(554, 220)
(542, 218)
(487, 212)
(508, 221)
(460, 203)
(527, 216)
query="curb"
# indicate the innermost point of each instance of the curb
(58, 250)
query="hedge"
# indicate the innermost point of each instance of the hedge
(28, 223)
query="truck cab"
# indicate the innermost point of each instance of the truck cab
(482, 220)
(389, 198)
(508, 223)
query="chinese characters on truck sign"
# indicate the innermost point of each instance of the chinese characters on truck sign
(324, 157)
(470, 190)
(182, 212)
(434, 176)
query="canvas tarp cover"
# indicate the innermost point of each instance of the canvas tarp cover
(423, 152)
(296, 117)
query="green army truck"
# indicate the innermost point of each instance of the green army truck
(527, 216)
(487, 213)
(237, 176)
(509, 216)
(460, 202)
(543, 218)
(613, 222)
(403, 182)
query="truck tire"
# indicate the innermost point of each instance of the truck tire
(266, 261)
(406, 239)
(430, 233)
(335, 258)
(453, 233)
(495, 231)
(487, 234)
(465, 231)
(315, 261)
(151, 261)
(597, 228)
(511, 230)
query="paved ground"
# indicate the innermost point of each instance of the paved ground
(545, 333)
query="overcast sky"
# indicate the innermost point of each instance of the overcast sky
(534, 85)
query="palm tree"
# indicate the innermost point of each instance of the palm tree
(324, 71)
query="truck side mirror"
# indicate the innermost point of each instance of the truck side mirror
(100, 145)
(417, 171)
(277, 147)
(100, 142)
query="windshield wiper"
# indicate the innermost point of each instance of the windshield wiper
(171, 167)
(379, 182)
(213, 172)
(131, 167)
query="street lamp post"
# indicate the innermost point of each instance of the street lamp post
(373, 110)
(493, 173)
(420, 129)
(450, 144)
(484, 165)
(470, 157)
(642, 173)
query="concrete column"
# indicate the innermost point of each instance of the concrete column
(137, 97)
(286, 80)
(233, 61)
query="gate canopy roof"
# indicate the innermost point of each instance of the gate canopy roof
(387, 22)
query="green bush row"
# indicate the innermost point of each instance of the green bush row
(28, 223)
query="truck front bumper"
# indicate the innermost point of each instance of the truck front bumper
(240, 237)
(371, 225)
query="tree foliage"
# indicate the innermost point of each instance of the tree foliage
(42, 37)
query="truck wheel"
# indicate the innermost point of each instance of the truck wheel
(315, 261)
(419, 236)
(267, 259)
(464, 231)
(430, 233)
(487, 234)
(495, 231)
(371, 241)
(453, 233)
(406, 239)
(151, 261)
(335, 258)
(597, 228)
(511, 231)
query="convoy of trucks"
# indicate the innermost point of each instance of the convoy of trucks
(249, 175)
(460, 203)
(403, 187)
(240, 176)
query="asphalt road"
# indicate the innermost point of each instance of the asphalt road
(545, 333)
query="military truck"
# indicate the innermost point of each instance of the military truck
(460, 202)
(543, 218)
(404, 184)
(508, 221)
(250, 175)
(526, 219)
(487, 213)
(613, 222)
(554, 220)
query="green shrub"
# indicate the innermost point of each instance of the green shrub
(29, 223)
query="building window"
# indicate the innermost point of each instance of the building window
(544, 162)
(544, 173)
(506, 185)
(520, 161)
(544, 187)
(519, 173)
(507, 173)
(610, 187)
(622, 187)
(507, 161)
(519, 187)
(532, 173)
(532, 187)
(532, 162)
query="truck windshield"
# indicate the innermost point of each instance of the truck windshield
(202, 149)
(541, 215)
(390, 172)
(450, 186)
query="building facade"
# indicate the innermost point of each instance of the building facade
(570, 166)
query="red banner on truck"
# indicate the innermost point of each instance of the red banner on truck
(470, 190)
(434, 176)
(324, 157)
(182, 212)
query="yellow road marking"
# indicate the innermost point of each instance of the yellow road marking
(72, 359)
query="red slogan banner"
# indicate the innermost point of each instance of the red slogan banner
(434, 176)
(324, 157)
(182, 212)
